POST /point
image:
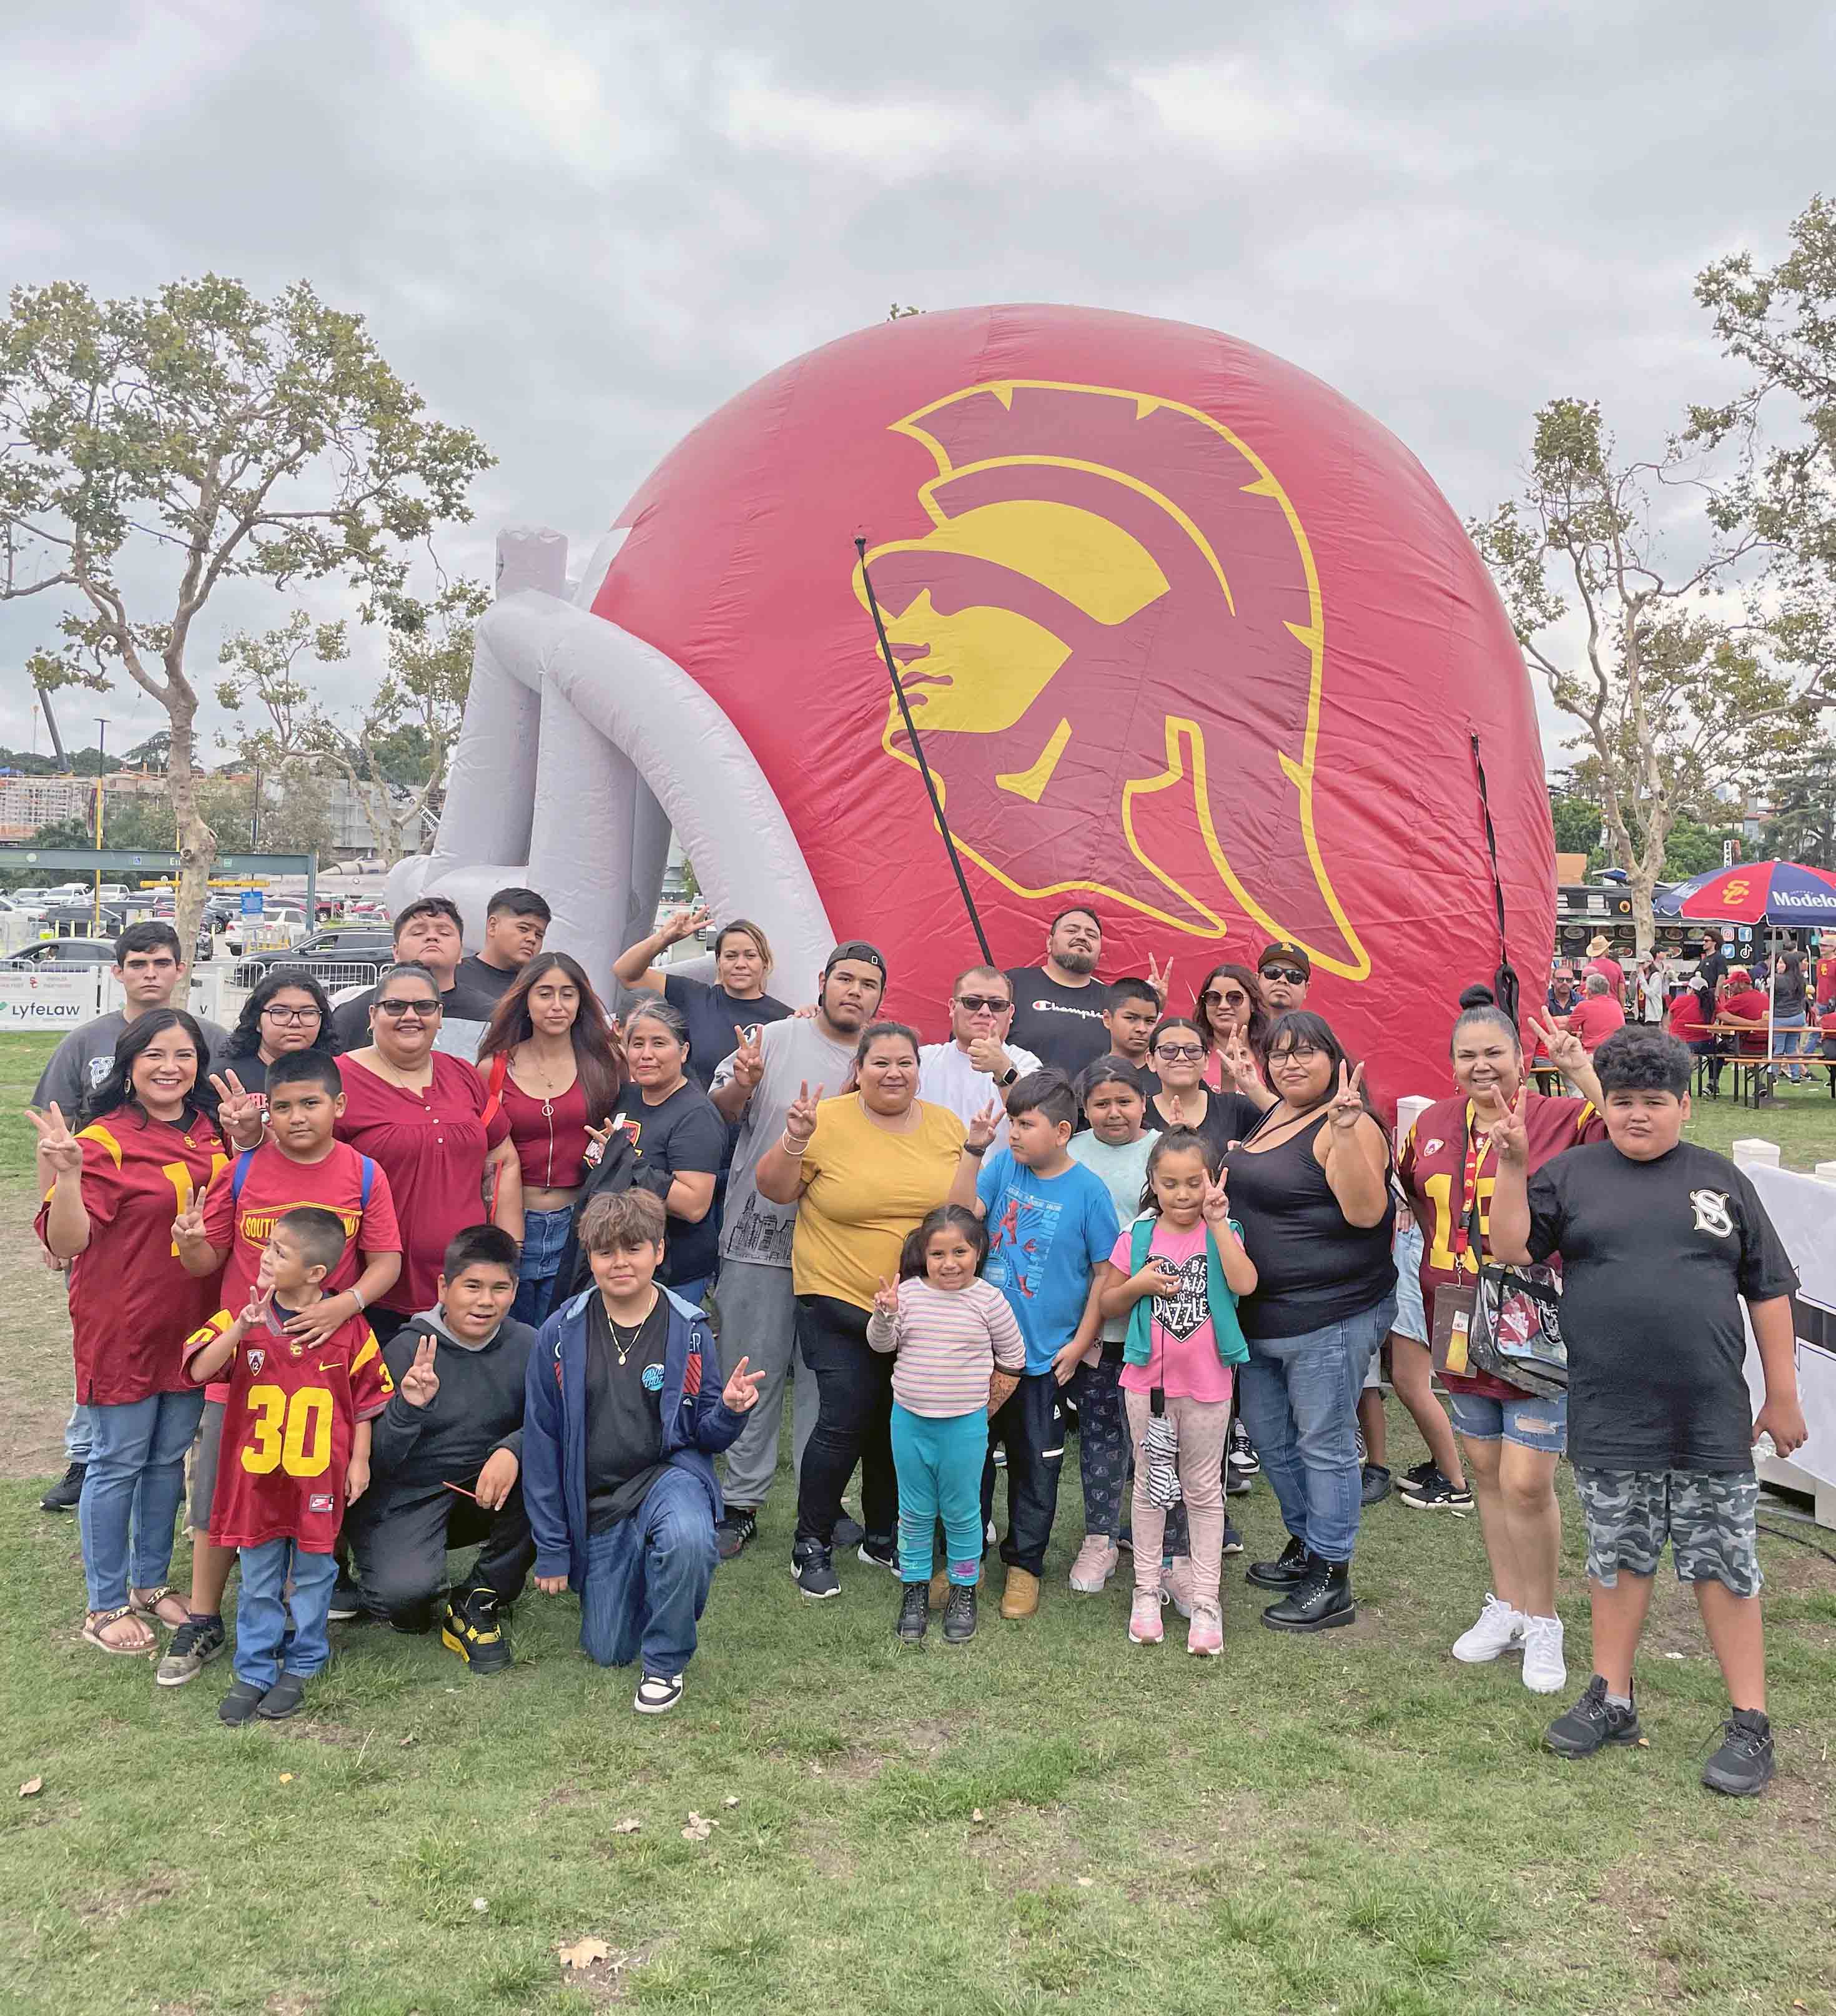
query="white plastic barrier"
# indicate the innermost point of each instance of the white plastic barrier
(53, 997)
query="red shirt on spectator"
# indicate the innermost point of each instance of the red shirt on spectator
(1687, 1018)
(1747, 1004)
(1614, 973)
(1595, 1019)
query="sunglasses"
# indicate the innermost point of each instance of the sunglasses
(1236, 999)
(979, 1004)
(1180, 1052)
(1292, 974)
(395, 1009)
(290, 1014)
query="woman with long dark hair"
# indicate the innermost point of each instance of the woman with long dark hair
(714, 1012)
(150, 1141)
(1229, 1003)
(678, 1134)
(553, 1062)
(286, 1012)
(1311, 1186)
(1177, 1051)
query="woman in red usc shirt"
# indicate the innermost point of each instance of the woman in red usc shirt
(1511, 1439)
(151, 1141)
(1745, 1002)
(420, 1116)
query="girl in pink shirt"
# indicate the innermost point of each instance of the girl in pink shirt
(1177, 1273)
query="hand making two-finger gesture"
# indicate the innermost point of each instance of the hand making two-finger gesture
(61, 1149)
(188, 1227)
(886, 1299)
(1348, 1107)
(685, 923)
(420, 1382)
(800, 1120)
(749, 1058)
(741, 1393)
(1217, 1203)
(1511, 1139)
(979, 1136)
(241, 1112)
(1160, 977)
(1563, 1047)
(254, 1311)
(1239, 1062)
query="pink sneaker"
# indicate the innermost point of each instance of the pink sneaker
(1205, 1635)
(1144, 1618)
(1095, 1564)
(1176, 1584)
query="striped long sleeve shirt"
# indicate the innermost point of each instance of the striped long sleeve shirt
(948, 1341)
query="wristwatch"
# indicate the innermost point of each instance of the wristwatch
(1008, 1077)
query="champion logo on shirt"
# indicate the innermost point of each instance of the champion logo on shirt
(1065, 1008)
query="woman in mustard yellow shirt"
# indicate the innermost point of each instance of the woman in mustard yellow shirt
(862, 1170)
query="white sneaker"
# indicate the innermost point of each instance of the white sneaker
(1545, 1672)
(1500, 1630)
(1095, 1564)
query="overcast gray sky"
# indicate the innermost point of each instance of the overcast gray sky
(578, 227)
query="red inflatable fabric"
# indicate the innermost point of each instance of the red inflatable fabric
(1186, 636)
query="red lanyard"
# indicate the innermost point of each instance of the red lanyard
(1469, 1189)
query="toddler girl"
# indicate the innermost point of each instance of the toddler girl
(952, 1329)
(1177, 1272)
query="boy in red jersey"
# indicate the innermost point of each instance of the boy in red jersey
(295, 1452)
(300, 1162)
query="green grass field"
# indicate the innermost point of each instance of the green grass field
(1047, 1820)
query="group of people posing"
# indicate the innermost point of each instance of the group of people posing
(403, 1299)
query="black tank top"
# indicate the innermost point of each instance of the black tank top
(1313, 1267)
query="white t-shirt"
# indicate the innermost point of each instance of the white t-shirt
(1124, 1169)
(796, 1053)
(947, 1077)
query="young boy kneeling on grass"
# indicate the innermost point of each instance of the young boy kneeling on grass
(1660, 1240)
(617, 1431)
(295, 1451)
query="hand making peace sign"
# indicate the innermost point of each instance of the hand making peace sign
(741, 1392)
(62, 1150)
(685, 923)
(1565, 1049)
(886, 1300)
(1511, 1139)
(979, 1136)
(241, 1112)
(1217, 1203)
(800, 1120)
(420, 1382)
(1348, 1106)
(749, 1058)
(188, 1227)
(1160, 978)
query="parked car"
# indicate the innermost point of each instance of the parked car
(78, 917)
(62, 952)
(335, 949)
(288, 916)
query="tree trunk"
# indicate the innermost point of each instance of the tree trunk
(197, 844)
(1640, 885)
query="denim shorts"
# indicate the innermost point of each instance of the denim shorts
(1708, 1519)
(1531, 1423)
(1411, 1319)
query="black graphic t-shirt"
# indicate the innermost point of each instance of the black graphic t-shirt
(1062, 1026)
(1656, 1256)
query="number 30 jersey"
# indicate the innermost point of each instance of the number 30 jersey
(287, 1426)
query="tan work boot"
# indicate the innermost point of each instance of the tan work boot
(940, 1588)
(1020, 1597)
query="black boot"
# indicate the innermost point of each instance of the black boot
(959, 1614)
(1288, 1572)
(1322, 1600)
(915, 1612)
(63, 1496)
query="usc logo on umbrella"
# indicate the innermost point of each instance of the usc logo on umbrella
(1107, 708)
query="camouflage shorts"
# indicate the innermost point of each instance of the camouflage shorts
(1708, 1518)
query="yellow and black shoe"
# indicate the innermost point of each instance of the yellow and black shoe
(473, 1628)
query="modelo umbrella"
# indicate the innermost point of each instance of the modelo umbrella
(1755, 892)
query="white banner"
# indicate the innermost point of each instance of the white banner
(55, 998)
(1803, 1211)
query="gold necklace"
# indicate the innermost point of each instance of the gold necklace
(625, 1350)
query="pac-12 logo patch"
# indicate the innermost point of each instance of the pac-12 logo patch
(1711, 1212)
(256, 1359)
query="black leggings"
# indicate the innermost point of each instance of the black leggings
(854, 1392)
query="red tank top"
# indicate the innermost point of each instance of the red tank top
(550, 1134)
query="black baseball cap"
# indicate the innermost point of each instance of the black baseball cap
(1282, 953)
(856, 949)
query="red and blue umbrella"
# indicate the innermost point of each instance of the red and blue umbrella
(1754, 892)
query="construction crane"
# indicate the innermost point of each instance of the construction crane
(64, 759)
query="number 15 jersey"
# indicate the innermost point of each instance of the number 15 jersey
(287, 1429)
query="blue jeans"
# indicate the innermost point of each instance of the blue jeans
(262, 1654)
(78, 1435)
(939, 1464)
(647, 1579)
(1300, 1404)
(545, 1234)
(132, 1490)
(693, 1291)
(1787, 1043)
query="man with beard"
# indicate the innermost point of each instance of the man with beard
(753, 1089)
(1284, 973)
(1058, 1006)
(980, 1060)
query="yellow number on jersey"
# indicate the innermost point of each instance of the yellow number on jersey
(305, 1449)
(263, 1453)
(1439, 1189)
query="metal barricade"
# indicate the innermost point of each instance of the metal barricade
(331, 974)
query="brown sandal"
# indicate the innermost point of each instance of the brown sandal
(148, 1606)
(96, 1621)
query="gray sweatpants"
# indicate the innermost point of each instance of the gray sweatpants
(759, 1322)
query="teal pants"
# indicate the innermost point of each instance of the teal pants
(939, 1465)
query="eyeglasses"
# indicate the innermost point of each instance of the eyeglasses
(1292, 974)
(1212, 999)
(396, 1010)
(275, 1014)
(981, 1004)
(1175, 1053)
(1296, 1053)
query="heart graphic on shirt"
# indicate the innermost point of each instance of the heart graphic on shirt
(1180, 1313)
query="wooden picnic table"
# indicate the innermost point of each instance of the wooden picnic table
(1751, 1068)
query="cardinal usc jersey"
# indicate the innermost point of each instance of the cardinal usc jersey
(1823, 982)
(132, 1304)
(287, 1428)
(1432, 1168)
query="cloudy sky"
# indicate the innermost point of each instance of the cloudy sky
(578, 228)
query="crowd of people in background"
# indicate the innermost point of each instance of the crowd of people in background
(479, 1258)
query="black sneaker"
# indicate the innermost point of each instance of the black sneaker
(879, 1555)
(1412, 1480)
(734, 1531)
(812, 1568)
(1376, 1487)
(1285, 1572)
(1435, 1494)
(657, 1694)
(1321, 1602)
(1233, 1539)
(959, 1614)
(1237, 1483)
(347, 1603)
(1242, 1455)
(472, 1627)
(915, 1612)
(239, 1704)
(194, 1644)
(63, 1496)
(848, 1533)
(286, 1697)
(1591, 1723)
(1743, 1767)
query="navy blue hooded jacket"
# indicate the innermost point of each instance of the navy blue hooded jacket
(697, 1424)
